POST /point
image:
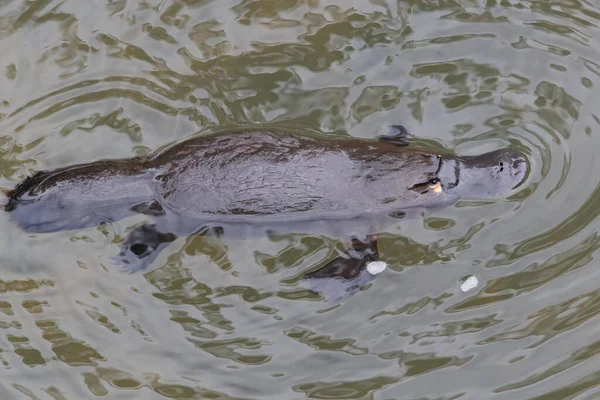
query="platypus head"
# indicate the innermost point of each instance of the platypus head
(492, 174)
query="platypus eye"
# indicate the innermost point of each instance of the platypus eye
(433, 181)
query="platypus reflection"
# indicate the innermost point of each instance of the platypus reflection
(230, 183)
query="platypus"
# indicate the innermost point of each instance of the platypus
(239, 182)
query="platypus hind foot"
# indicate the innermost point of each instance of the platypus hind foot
(141, 247)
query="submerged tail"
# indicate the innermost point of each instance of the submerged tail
(13, 196)
(77, 197)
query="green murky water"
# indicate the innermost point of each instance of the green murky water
(84, 80)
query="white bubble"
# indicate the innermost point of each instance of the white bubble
(470, 283)
(376, 267)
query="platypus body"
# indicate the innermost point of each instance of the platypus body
(232, 182)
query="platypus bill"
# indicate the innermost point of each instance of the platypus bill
(345, 188)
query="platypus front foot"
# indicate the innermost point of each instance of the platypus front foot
(141, 247)
(348, 273)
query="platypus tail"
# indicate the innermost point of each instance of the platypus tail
(76, 197)
(10, 201)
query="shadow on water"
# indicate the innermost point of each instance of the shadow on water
(231, 319)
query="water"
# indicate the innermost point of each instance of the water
(85, 80)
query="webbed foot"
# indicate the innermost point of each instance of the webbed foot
(348, 273)
(141, 247)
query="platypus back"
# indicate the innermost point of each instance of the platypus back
(264, 174)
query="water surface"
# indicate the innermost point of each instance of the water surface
(85, 80)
